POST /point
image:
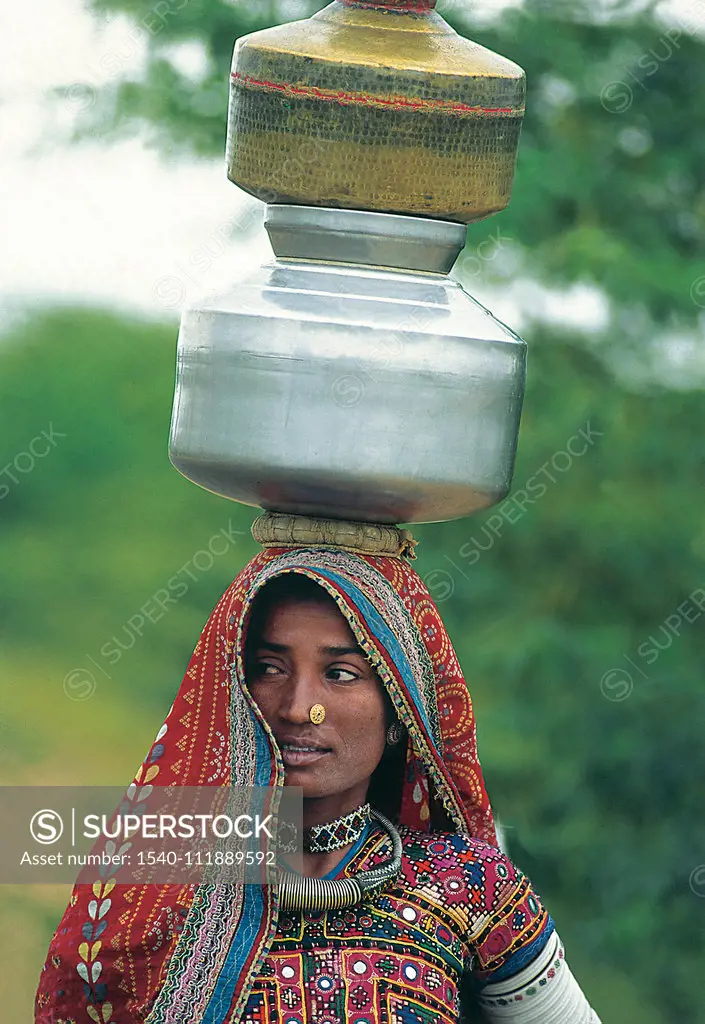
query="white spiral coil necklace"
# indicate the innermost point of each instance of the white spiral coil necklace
(299, 892)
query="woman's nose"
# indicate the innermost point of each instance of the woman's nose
(300, 696)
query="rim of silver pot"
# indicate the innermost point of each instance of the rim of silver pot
(389, 240)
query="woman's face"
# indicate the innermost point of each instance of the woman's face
(306, 654)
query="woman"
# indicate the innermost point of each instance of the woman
(325, 667)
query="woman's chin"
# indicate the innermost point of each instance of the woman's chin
(304, 779)
(302, 776)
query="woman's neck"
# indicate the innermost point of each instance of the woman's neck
(318, 865)
(321, 811)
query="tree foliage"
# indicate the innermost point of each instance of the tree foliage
(611, 177)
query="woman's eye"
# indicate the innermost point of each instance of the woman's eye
(343, 675)
(263, 668)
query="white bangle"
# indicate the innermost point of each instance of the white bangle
(543, 992)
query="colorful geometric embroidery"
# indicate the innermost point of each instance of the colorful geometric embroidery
(401, 957)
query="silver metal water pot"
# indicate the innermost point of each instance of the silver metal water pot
(350, 377)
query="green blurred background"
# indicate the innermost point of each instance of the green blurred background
(590, 732)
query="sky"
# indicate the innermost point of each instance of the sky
(112, 224)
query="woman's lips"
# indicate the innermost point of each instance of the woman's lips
(297, 757)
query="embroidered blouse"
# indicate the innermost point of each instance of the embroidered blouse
(459, 921)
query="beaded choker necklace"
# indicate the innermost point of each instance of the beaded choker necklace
(338, 833)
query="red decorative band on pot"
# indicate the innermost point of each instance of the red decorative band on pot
(347, 98)
(418, 6)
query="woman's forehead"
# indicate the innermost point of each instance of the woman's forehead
(296, 620)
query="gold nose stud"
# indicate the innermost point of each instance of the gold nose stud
(317, 714)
